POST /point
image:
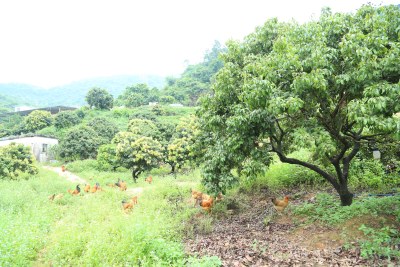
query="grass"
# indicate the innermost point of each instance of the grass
(92, 229)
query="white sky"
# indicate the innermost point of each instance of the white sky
(54, 42)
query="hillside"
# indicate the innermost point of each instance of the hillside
(72, 94)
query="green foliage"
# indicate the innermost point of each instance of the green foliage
(99, 98)
(136, 95)
(12, 125)
(80, 143)
(329, 78)
(15, 160)
(281, 176)
(143, 114)
(144, 128)
(36, 120)
(338, 214)
(66, 119)
(182, 148)
(383, 242)
(104, 128)
(138, 153)
(107, 157)
(195, 80)
(167, 99)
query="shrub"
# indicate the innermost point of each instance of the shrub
(80, 143)
(16, 159)
(103, 128)
(37, 120)
(66, 119)
(107, 158)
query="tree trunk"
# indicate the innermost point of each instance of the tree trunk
(346, 198)
(134, 175)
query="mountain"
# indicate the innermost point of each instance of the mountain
(72, 94)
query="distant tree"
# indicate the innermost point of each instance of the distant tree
(66, 119)
(196, 79)
(36, 120)
(167, 99)
(16, 159)
(144, 128)
(80, 143)
(136, 95)
(182, 148)
(104, 128)
(137, 153)
(99, 98)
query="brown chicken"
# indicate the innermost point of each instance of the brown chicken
(95, 188)
(149, 179)
(77, 190)
(127, 205)
(87, 188)
(197, 196)
(207, 203)
(123, 185)
(134, 200)
(56, 196)
(280, 205)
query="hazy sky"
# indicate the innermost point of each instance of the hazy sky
(54, 42)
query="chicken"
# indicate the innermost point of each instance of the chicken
(77, 190)
(56, 196)
(123, 185)
(280, 205)
(207, 203)
(197, 196)
(149, 179)
(128, 205)
(95, 188)
(87, 188)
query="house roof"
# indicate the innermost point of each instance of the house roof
(52, 110)
(25, 136)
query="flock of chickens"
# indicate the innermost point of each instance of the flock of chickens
(121, 184)
(203, 200)
(207, 201)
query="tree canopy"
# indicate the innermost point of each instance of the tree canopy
(99, 98)
(36, 120)
(336, 78)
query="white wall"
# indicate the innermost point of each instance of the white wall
(36, 145)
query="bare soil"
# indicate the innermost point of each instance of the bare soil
(243, 239)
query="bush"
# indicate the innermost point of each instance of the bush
(15, 160)
(104, 128)
(80, 143)
(107, 158)
(368, 174)
(36, 120)
(66, 119)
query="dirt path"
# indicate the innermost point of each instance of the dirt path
(243, 239)
(66, 174)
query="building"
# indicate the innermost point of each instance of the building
(39, 145)
(20, 110)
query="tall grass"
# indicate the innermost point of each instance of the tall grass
(92, 229)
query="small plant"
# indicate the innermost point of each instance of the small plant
(382, 242)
